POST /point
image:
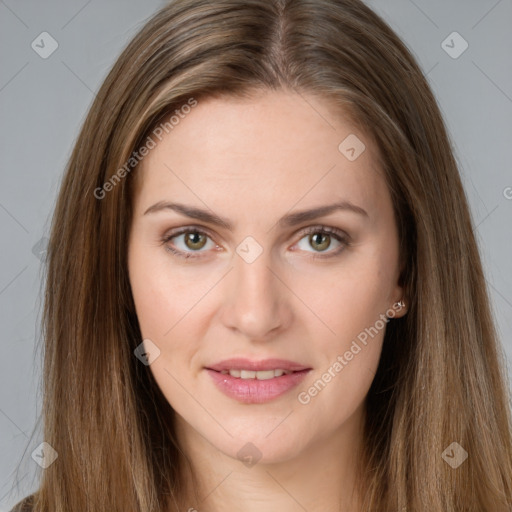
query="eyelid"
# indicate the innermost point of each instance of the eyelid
(340, 235)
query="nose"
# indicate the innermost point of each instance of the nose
(256, 302)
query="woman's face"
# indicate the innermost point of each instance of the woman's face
(269, 280)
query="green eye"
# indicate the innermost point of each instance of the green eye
(320, 238)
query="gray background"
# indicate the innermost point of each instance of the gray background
(43, 103)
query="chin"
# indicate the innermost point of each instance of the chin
(259, 448)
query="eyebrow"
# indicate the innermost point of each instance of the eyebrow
(289, 220)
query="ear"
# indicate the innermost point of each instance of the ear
(399, 308)
(399, 301)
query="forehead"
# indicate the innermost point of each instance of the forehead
(274, 149)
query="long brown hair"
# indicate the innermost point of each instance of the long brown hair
(441, 378)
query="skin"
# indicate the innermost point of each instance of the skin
(252, 161)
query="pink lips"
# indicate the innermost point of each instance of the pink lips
(239, 363)
(254, 391)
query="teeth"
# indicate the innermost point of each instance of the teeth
(260, 375)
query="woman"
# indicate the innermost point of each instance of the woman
(319, 337)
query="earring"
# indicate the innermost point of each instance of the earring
(400, 304)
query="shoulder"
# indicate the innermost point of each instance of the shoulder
(25, 505)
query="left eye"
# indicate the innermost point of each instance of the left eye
(193, 240)
(321, 240)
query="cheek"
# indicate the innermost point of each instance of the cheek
(351, 302)
(348, 361)
(163, 296)
(343, 302)
(168, 310)
(161, 304)
(340, 389)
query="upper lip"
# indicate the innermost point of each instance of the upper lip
(240, 363)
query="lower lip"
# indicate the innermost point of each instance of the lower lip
(254, 391)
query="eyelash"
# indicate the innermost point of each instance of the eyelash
(339, 235)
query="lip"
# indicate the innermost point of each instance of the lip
(254, 391)
(240, 363)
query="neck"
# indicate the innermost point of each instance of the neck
(320, 478)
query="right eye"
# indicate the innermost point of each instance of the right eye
(193, 240)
